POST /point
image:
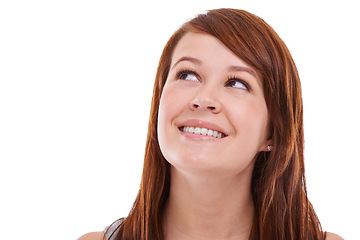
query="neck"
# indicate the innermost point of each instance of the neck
(209, 206)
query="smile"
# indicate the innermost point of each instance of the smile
(203, 131)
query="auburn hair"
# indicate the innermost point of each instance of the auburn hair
(282, 208)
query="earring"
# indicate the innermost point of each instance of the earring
(270, 148)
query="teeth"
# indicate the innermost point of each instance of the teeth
(203, 131)
(197, 130)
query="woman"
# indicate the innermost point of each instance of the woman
(224, 154)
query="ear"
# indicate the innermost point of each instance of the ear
(267, 146)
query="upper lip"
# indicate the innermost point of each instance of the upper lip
(201, 124)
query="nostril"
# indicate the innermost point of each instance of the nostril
(207, 104)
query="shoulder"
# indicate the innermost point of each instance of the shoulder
(92, 236)
(333, 236)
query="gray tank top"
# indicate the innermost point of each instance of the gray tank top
(112, 230)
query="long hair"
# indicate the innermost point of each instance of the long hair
(282, 208)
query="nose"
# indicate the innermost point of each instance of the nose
(205, 101)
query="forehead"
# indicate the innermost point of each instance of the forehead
(206, 48)
(207, 51)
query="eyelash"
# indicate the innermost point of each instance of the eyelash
(234, 78)
(180, 74)
(183, 72)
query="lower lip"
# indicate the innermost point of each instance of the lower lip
(199, 136)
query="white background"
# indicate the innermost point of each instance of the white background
(76, 81)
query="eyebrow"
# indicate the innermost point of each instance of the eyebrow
(246, 69)
(190, 59)
(230, 69)
(242, 69)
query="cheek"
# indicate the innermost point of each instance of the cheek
(173, 101)
(250, 118)
(169, 107)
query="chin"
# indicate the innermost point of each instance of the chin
(211, 165)
(193, 164)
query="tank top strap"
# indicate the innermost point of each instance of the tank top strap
(113, 229)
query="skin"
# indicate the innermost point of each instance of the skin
(210, 193)
(92, 236)
(100, 236)
(208, 95)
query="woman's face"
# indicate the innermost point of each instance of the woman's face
(212, 113)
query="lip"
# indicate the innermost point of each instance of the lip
(201, 124)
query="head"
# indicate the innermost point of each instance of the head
(256, 44)
(210, 90)
(277, 179)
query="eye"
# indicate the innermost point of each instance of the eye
(237, 83)
(188, 76)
